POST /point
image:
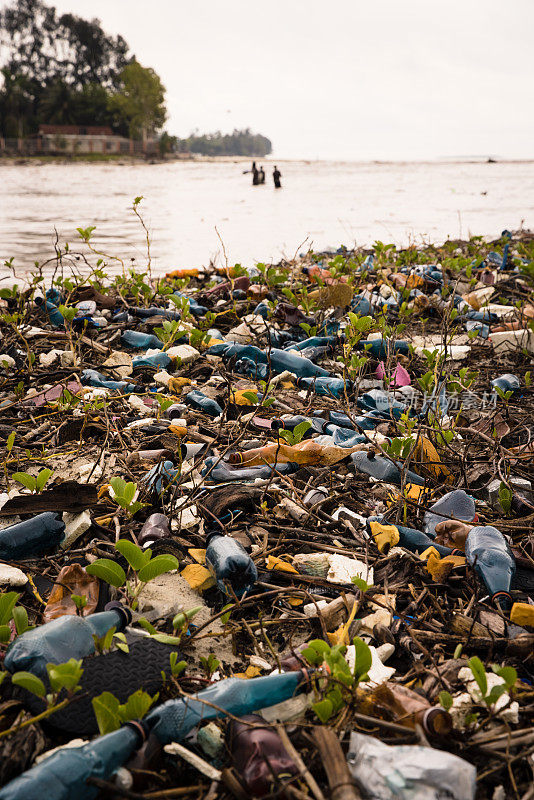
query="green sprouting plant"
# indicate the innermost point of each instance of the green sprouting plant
(170, 330)
(508, 675)
(110, 639)
(399, 447)
(209, 664)
(341, 681)
(180, 626)
(163, 402)
(124, 494)
(297, 434)
(362, 585)
(309, 330)
(10, 611)
(144, 568)
(528, 379)
(110, 713)
(34, 484)
(505, 497)
(61, 677)
(80, 601)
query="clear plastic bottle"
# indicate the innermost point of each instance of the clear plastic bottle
(258, 755)
(453, 505)
(399, 704)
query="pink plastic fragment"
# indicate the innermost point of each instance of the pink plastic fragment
(400, 376)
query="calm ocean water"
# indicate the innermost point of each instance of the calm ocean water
(322, 204)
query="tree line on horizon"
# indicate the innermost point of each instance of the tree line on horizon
(65, 70)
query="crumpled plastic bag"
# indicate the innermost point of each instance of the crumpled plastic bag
(408, 772)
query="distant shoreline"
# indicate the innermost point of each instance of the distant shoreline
(122, 160)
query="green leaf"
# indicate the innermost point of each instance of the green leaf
(118, 485)
(136, 706)
(29, 682)
(360, 583)
(27, 480)
(300, 430)
(10, 441)
(129, 492)
(508, 674)
(41, 479)
(106, 709)
(178, 668)
(479, 674)
(65, 676)
(5, 634)
(458, 651)
(494, 694)
(20, 618)
(445, 700)
(7, 604)
(363, 658)
(157, 566)
(183, 617)
(166, 638)
(144, 623)
(323, 709)
(132, 553)
(108, 571)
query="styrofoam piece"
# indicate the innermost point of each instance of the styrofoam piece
(12, 576)
(75, 526)
(343, 569)
(505, 341)
(378, 672)
(185, 352)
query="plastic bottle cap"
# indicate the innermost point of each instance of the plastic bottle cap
(437, 721)
(124, 611)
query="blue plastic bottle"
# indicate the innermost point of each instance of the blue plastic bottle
(382, 469)
(51, 310)
(488, 552)
(228, 560)
(157, 361)
(90, 377)
(173, 720)
(453, 505)
(33, 536)
(62, 638)
(380, 348)
(63, 776)
(198, 400)
(141, 341)
(327, 386)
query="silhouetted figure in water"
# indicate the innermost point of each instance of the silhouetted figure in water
(262, 175)
(276, 178)
(255, 174)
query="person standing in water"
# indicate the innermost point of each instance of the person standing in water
(262, 175)
(255, 174)
(276, 177)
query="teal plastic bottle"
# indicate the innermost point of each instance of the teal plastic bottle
(488, 552)
(199, 401)
(32, 536)
(453, 505)
(412, 539)
(141, 341)
(227, 560)
(175, 718)
(382, 469)
(157, 361)
(328, 386)
(380, 348)
(63, 776)
(90, 377)
(62, 638)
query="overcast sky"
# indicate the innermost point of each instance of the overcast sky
(344, 79)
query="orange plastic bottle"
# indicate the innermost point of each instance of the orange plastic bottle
(307, 452)
(397, 703)
(183, 272)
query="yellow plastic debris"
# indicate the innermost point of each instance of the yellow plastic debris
(341, 636)
(273, 562)
(177, 384)
(238, 397)
(199, 578)
(441, 568)
(522, 614)
(252, 672)
(198, 555)
(385, 536)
